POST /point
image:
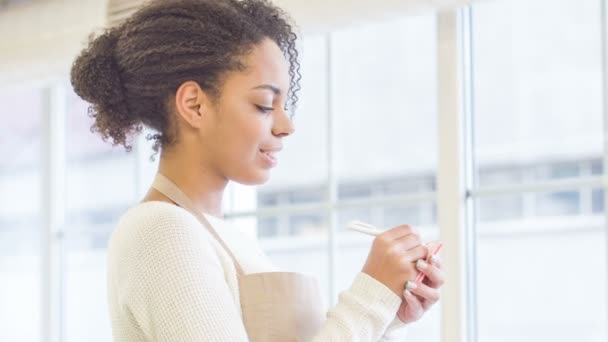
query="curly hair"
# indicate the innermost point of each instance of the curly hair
(129, 72)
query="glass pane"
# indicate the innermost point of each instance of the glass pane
(520, 205)
(21, 214)
(386, 141)
(558, 203)
(538, 116)
(385, 106)
(101, 186)
(597, 167)
(598, 201)
(502, 207)
(538, 92)
(523, 266)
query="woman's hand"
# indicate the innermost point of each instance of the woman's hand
(419, 298)
(393, 255)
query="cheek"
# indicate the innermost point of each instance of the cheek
(241, 133)
(246, 138)
(252, 142)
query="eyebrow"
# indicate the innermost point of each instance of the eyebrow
(274, 89)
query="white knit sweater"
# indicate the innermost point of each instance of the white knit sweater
(170, 280)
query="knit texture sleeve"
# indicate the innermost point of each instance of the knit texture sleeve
(363, 312)
(396, 331)
(178, 291)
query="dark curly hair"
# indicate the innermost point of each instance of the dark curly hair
(130, 72)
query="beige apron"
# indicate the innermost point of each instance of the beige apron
(276, 306)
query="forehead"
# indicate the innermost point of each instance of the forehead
(267, 64)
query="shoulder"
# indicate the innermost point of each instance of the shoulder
(158, 248)
(157, 216)
(155, 213)
(156, 224)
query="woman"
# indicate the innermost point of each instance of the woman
(215, 80)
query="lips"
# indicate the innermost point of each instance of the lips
(269, 153)
(269, 156)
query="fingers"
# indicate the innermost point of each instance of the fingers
(416, 253)
(420, 297)
(432, 271)
(428, 294)
(433, 245)
(414, 303)
(436, 260)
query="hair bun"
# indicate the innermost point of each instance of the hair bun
(95, 76)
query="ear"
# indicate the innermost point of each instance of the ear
(192, 103)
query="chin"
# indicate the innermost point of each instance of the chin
(254, 178)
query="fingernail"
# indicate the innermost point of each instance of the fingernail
(410, 285)
(421, 264)
(434, 259)
(407, 293)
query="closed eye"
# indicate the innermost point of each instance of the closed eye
(264, 109)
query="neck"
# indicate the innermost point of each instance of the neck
(199, 181)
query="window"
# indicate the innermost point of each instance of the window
(93, 209)
(384, 96)
(538, 120)
(21, 218)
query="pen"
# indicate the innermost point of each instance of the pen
(363, 228)
(421, 276)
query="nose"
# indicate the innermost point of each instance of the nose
(283, 125)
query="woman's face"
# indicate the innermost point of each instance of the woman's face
(249, 119)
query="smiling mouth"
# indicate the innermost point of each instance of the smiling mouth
(269, 154)
(269, 157)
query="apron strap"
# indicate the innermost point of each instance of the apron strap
(165, 186)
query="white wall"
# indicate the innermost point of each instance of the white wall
(36, 39)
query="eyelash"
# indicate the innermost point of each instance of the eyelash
(267, 110)
(264, 110)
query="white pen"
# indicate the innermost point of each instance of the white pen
(364, 228)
